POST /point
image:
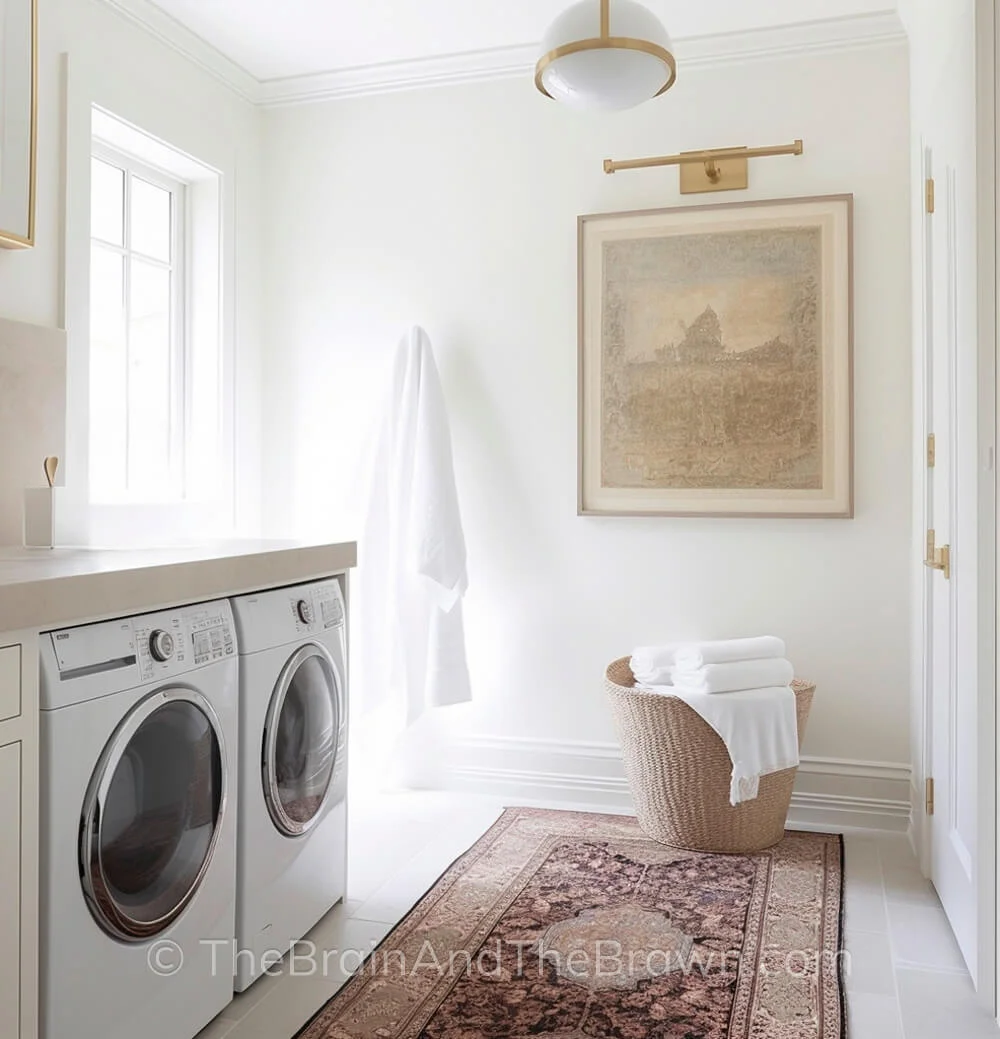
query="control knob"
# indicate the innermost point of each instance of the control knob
(161, 645)
(305, 611)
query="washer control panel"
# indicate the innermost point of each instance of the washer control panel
(153, 649)
(156, 645)
(168, 644)
(212, 635)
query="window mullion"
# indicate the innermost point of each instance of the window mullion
(127, 282)
(180, 391)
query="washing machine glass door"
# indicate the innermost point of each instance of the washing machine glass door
(152, 814)
(300, 740)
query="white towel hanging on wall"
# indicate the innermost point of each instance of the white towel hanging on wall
(412, 561)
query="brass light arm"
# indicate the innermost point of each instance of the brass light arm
(708, 158)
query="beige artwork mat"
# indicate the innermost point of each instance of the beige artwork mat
(716, 360)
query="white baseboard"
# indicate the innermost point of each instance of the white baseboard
(831, 794)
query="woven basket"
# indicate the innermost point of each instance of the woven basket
(679, 772)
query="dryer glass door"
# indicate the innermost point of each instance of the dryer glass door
(152, 814)
(300, 740)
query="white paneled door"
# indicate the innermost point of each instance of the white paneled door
(950, 731)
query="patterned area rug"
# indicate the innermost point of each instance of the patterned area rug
(559, 924)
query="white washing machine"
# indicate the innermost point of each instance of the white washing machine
(292, 860)
(139, 729)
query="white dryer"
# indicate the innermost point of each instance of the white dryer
(139, 730)
(292, 860)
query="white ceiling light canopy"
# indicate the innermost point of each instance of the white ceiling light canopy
(599, 55)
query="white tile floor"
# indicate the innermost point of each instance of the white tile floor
(907, 979)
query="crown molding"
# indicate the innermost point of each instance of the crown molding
(170, 32)
(392, 77)
(828, 35)
(833, 34)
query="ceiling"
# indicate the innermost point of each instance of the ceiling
(278, 39)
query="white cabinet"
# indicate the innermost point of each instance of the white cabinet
(10, 890)
(10, 683)
(19, 836)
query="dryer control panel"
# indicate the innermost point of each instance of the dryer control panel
(316, 607)
(284, 616)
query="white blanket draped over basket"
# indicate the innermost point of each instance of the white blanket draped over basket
(759, 728)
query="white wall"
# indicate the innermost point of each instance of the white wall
(112, 60)
(456, 208)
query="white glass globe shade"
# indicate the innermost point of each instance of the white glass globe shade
(582, 71)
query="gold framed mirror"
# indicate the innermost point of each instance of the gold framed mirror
(18, 122)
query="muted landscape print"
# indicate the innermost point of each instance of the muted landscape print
(712, 361)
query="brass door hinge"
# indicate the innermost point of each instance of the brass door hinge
(938, 558)
(930, 797)
(931, 452)
(930, 194)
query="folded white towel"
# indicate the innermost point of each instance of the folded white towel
(697, 654)
(758, 727)
(730, 678)
(653, 665)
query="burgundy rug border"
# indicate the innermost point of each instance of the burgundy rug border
(503, 822)
(490, 833)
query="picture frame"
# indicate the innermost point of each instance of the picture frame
(716, 360)
(18, 122)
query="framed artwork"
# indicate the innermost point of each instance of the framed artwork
(18, 121)
(716, 360)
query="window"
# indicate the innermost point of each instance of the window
(138, 356)
(160, 390)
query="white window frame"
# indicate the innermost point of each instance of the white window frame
(180, 387)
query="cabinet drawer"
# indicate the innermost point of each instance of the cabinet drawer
(10, 682)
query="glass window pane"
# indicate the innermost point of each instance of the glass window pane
(149, 382)
(107, 373)
(107, 202)
(151, 225)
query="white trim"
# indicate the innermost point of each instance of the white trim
(878, 770)
(392, 77)
(831, 793)
(830, 34)
(190, 45)
(834, 34)
(988, 143)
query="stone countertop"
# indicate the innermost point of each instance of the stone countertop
(49, 588)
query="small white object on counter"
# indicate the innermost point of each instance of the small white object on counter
(40, 517)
